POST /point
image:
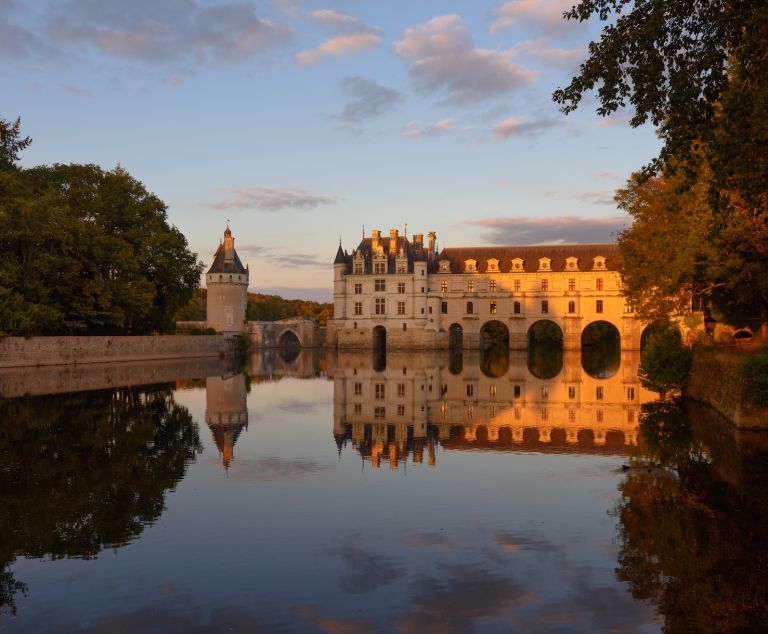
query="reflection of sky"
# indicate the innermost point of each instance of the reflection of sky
(295, 537)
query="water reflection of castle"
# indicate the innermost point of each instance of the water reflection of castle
(420, 401)
(226, 412)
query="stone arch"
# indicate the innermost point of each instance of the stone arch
(289, 345)
(600, 349)
(545, 349)
(494, 349)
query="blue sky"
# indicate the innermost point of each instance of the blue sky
(303, 120)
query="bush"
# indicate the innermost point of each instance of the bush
(754, 369)
(665, 362)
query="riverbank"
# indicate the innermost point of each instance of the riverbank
(717, 379)
(17, 352)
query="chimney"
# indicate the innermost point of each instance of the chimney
(431, 237)
(418, 241)
(375, 235)
(392, 242)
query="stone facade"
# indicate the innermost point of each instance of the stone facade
(227, 284)
(410, 295)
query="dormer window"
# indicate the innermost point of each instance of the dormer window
(470, 266)
(572, 264)
(599, 263)
(445, 266)
(493, 265)
(517, 264)
(545, 264)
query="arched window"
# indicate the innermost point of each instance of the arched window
(571, 307)
(220, 277)
(470, 308)
(517, 308)
(405, 326)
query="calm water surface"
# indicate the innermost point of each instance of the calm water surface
(362, 493)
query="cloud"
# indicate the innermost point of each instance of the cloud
(271, 468)
(415, 129)
(364, 570)
(76, 90)
(301, 259)
(540, 50)
(340, 45)
(333, 624)
(515, 542)
(545, 15)
(16, 41)
(603, 197)
(341, 21)
(172, 31)
(368, 99)
(557, 230)
(272, 199)
(443, 60)
(316, 294)
(516, 127)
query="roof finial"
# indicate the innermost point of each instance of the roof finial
(405, 231)
(363, 232)
(339, 239)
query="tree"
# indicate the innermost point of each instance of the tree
(11, 143)
(88, 251)
(665, 362)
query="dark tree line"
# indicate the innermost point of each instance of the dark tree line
(85, 251)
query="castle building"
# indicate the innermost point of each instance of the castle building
(405, 294)
(226, 412)
(227, 283)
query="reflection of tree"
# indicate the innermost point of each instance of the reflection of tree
(81, 472)
(494, 361)
(689, 542)
(545, 360)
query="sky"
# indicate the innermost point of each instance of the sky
(302, 121)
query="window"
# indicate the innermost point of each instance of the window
(401, 309)
(599, 416)
(629, 307)
(358, 289)
(517, 308)
(571, 392)
(380, 286)
(544, 391)
(599, 393)
(444, 308)
(571, 415)
(470, 390)
(571, 307)
(517, 286)
(599, 284)
(358, 389)
(401, 389)
(429, 310)
(444, 410)
(630, 393)
(379, 391)
(517, 391)
(381, 306)
(379, 413)
(493, 308)
(401, 288)
(599, 306)
(470, 308)
(493, 389)
(444, 286)
(493, 412)
(379, 268)
(401, 267)
(358, 268)
(405, 327)
(517, 413)
(358, 308)
(630, 416)
(401, 410)
(544, 413)
(544, 285)
(358, 408)
(471, 286)
(571, 284)
(493, 286)
(544, 307)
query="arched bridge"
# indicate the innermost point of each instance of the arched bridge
(299, 332)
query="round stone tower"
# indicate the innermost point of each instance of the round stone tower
(227, 282)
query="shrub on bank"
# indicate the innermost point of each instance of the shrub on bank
(754, 369)
(665, 362)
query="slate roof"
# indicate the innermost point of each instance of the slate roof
(557, 253)
(413, 253)
(221, 266)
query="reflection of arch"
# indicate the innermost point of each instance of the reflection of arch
(600, 349)
(456, 337)
(545, 349)
(379, 348)
(289, 346)
(494, 355)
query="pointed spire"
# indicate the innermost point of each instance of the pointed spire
(340, 259)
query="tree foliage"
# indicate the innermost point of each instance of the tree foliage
(665, 362)
(87, 471)
(88, 251)
(11, 143)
